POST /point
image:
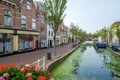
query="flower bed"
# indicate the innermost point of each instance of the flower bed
(23, 72)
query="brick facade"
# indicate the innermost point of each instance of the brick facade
(20, 39)
(42, 26)
(16, 13)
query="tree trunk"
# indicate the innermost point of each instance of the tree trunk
(55, 44)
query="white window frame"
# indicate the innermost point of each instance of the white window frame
(23, 21)
(7, 18)
(42, 31)
(42, 18)
(33, 23)
(29, 5)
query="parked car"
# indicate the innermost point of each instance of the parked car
(115, 47)
(101, 45)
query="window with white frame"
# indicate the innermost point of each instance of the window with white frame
(28, 5)
(42, 18)
(52, 34)
(42, 31)
(7, 18)
(49, 33)
(23, 21)
(33, 23)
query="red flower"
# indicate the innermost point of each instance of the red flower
(29, 78)
(2, 66)
(27, 69)
(10, 65)
(42, 78)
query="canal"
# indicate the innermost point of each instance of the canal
(88, 64)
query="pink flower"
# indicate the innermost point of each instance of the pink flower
(22, 70)
(28, 74)
(37, 70)
(2, 78)
(38, 67)
(52, 78)
(19, 65)
(5, 75)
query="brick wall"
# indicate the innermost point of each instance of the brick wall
(4, 6)
(16, 13)
(41, 24)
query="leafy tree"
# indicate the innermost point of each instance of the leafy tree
(54, 15)
(116, 27)
(76, 31)
(110, 33)
(104, 33)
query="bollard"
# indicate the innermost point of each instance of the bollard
(48, 56)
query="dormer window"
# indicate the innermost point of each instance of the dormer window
(28, 5)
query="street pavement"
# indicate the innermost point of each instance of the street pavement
(30, 57)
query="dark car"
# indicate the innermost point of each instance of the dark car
(101, 45)
(115, 47)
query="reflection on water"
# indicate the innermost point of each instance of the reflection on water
(86, 64)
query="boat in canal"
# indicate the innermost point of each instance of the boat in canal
(86, 64)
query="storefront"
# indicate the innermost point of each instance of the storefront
(27, 40)
(58, 41)
(43, 43)
(12, 40)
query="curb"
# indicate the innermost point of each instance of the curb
(114, 52)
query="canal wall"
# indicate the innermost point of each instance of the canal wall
(53, 64)
(117, 53)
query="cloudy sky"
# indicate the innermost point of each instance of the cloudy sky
(92, 15)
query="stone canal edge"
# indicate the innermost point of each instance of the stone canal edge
(53, 64)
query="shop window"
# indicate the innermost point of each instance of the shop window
(28, 5)
(7, 18)
(43, 42)
(33, 23)
(23, 21)
(1, 36)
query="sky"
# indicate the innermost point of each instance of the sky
(92, 15)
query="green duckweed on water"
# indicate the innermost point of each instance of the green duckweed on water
(67, 70)
(86, 63)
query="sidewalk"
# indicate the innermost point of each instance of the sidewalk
(29, 57)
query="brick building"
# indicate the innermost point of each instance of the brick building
(18, 26)
(62, 34)
(41, 25)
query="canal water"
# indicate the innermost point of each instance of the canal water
(88, 64)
